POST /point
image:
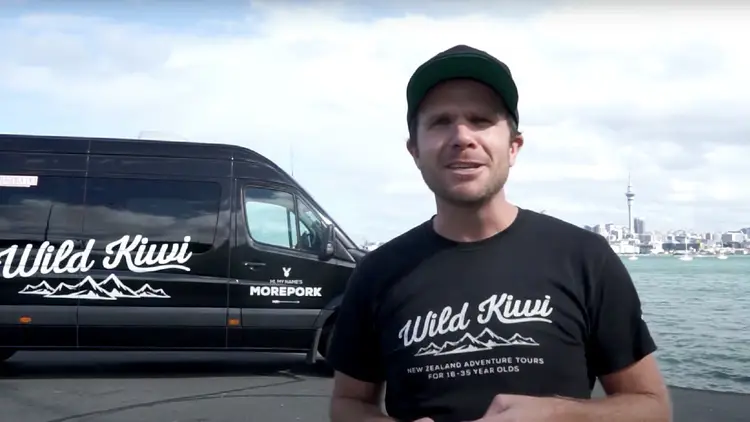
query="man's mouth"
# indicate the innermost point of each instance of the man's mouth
(463, 165)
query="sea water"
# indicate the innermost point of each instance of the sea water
(699, 315)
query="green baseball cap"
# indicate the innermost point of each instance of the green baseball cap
(462, 62)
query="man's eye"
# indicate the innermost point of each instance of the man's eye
(441, 121)
(480, 120)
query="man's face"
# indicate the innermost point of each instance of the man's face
(464, 146)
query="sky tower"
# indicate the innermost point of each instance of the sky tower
(630, 195)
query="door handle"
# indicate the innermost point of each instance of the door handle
(254, 265)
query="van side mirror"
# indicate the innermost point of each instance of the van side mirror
(327, 247)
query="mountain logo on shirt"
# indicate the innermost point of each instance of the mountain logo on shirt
(487, 340)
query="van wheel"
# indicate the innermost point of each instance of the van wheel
(325, 345)
(324, 367)
(6, 354)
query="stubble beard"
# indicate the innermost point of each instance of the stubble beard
(467, 200)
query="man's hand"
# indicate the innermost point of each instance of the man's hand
(424, 420)
(515, 408)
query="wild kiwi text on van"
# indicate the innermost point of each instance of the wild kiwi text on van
(136, 253)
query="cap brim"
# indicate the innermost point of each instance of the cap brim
(462, 66)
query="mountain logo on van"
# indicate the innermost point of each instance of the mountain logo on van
(88, 289)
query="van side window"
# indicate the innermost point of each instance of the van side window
(52, 208)
(275, 218)
(161, 210)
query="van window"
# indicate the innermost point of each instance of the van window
(275, 218)
(50, 209)
(161, 210)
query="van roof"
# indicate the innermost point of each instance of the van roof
(52, 144)
(127, 146)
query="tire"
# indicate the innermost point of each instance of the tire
(325, 345)
(6, 354)
(324, 368)
(329, 338)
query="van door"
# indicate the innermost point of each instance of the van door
(279, 285)
(41, 251)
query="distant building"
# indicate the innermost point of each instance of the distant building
(646, 237)
(639, 226)
(616, 233)
(733, 239)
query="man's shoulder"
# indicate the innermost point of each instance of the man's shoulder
(561, 230)
(567, 238)
(406, 244)
(399, 256)
(589, 252)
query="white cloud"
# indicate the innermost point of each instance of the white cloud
(603, 90)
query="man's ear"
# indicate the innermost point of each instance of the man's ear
(515, 147)
(411, 146)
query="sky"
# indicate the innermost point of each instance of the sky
(319, 87)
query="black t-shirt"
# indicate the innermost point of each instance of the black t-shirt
(541, 309)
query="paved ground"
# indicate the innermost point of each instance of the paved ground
(210, 387)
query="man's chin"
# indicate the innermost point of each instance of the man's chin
(465, 198)
(467, 194)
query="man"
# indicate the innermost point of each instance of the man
(487, 311)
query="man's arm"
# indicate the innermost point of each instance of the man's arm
(355, 354)
(356, 401)
(621, 351)
(636, 393)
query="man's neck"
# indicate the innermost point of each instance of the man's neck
(466, 224)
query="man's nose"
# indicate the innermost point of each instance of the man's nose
(463, 136)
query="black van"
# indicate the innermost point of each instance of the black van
(129, 244)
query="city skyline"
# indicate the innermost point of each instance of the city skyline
(634, 239)
(636, 224)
